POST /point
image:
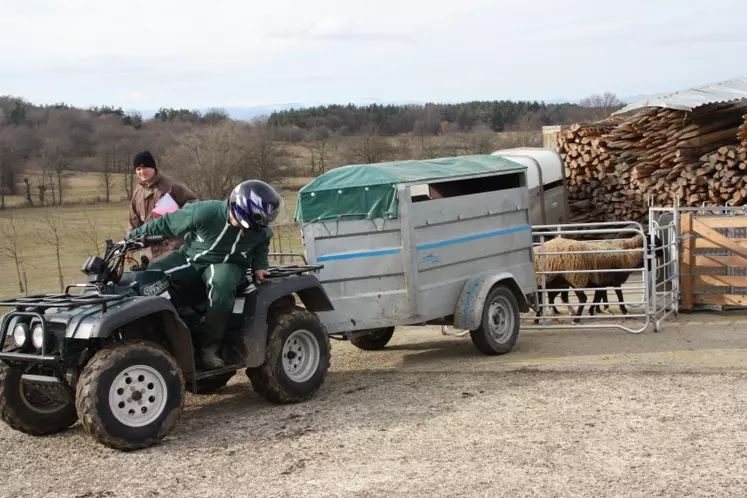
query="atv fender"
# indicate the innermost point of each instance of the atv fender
(468, 312)
(257, 306)
(98, 324)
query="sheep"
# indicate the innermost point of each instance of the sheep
(600, 280)
(587, 261)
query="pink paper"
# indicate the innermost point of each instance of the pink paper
(165, 204)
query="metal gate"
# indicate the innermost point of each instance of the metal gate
(643, 277)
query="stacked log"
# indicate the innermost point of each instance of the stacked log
(720, 180)
(656, 154)
(742, 135)
(587, 164)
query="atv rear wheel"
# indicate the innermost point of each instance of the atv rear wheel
(130, 395)
(29, 410)
(297, 360)
(374, 340)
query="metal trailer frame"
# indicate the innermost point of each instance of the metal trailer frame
(413, 273)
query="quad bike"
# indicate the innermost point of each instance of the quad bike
(119, 354)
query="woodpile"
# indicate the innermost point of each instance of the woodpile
(615, 166)
(588, 168)
(720, 179)
(742, 135)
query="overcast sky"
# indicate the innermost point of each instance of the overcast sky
(143, 54)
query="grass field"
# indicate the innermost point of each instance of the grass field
(83, 230)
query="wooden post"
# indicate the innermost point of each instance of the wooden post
(686, 261)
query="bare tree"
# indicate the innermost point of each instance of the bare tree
(51, 233)
(16, 144)
(56, 155)
(371, 147)
(265, 158)
(480, 141)
(11, 247)
(113, 145)
(321, 149)
(601, 106)
(91, 233)
(27, 182)
(209, 158)
(213, 159)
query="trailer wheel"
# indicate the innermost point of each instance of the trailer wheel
(374, 340)
(499, 327)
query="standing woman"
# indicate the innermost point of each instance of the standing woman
(152, 187)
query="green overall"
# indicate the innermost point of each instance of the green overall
(214, 251)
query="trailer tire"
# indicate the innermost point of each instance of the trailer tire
(374, 340)
(499, 326)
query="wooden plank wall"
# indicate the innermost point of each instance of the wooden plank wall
(701, 276)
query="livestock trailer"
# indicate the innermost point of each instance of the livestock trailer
(458, 253)
(546, 181)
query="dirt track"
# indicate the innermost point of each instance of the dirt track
(568, 413)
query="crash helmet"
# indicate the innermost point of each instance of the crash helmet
(254, 204)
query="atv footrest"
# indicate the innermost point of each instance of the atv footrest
(51, 387)
(212, 373)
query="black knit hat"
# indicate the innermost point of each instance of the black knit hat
(144, 158)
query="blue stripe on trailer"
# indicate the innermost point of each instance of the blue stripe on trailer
(471, 238)
(356, 255)
(423, 247)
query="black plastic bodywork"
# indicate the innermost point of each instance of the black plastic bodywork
(259, 300)
(96, 316)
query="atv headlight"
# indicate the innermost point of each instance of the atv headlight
(37, 336)
(20, 334)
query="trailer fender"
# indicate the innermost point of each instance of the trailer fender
(468, 313)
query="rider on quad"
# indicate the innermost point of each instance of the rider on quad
(223, 239)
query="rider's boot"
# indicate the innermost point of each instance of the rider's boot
(212, 338)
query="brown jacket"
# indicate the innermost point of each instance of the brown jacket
(144, 199)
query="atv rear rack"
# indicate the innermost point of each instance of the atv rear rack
(281, 271)
(60, 300)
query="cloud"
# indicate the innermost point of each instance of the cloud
(149, 53)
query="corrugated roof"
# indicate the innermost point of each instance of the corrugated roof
(687, 100)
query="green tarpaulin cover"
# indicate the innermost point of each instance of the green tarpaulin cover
(368, 191)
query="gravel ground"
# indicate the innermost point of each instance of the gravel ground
(568, 413)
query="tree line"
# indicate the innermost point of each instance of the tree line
(40, 145)
(430, 119)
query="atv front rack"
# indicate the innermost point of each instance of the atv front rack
(60, 300)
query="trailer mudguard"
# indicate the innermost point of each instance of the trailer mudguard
(257, 306)
(468, 313)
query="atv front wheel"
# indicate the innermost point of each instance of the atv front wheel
(130, 395)
(31, 411)
(298, 354)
